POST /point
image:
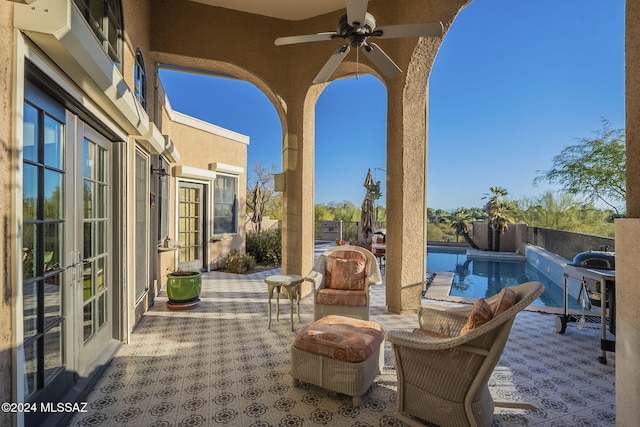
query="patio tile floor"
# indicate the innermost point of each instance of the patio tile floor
(218, 364)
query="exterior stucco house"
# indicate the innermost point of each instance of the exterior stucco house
(105, 175)
(99, 170)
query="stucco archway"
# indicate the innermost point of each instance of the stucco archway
(285, 74)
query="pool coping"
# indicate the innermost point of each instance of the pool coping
(441, 287)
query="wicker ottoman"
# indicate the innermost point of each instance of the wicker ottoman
(339, 353)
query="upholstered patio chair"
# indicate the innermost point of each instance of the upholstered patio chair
(443, 367)
(341, 277)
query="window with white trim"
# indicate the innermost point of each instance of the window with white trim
(105, 19)
(225, 204)
(140, 80)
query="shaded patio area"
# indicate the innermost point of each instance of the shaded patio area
(218, 364)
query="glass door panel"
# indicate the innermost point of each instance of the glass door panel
(95, 226)
(142, 224)
(190, 226)
(43, 242)
(92, 297)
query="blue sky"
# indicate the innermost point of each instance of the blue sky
(513, 83)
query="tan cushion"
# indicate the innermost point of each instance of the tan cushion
(342, 338)
(480, 314)
(342, 297)
(348, 273)
(506, 300)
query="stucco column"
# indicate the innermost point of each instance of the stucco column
(298, 168)
(406, 193)
(7, 158)
(627, 321)
(628, 240)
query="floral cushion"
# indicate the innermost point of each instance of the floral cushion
(506, 300)
(346, 270)
(342, 297)
(480, 314)
(341, 338)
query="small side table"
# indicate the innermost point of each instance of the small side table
(291, 282)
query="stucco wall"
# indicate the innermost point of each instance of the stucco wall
(7, 155)
(198, 148)
(200, 145)
(568, 244)
(511, 240)
(137, 22)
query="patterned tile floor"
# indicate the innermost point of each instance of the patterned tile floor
(218, 364)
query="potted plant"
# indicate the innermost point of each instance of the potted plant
(183, 289)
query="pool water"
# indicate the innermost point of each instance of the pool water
(479, 278)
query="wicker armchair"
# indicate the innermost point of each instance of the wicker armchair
(330, 298)
(442, 375)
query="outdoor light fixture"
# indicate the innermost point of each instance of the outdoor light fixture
(279, 182)
(161, 172)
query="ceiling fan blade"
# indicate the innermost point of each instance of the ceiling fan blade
(381, 60)
(331, 65)
(305, 38)
(430, 29)
(356, 12)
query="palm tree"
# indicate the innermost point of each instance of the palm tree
(499, 217)
(462, 225)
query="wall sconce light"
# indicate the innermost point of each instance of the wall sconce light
(161, 172)
(279, 182)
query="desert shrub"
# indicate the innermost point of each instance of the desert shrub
(265, 247)
(239, 263)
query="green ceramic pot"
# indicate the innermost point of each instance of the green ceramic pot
(184, 286)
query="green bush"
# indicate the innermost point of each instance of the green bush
(239, 263)
(265, 247)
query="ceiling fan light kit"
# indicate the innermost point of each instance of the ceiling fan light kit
(355, 27)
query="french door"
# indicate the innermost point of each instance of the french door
(191, 225)
(44, 226)
(90, 182)
(66, 225)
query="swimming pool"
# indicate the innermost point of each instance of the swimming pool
(482, 278)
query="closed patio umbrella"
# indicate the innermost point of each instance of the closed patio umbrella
(366, 215)
(257, 207)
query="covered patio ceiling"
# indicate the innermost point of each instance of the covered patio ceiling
(292, 10)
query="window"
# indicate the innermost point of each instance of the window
(105, 19)
(140, 81)
(225, 204)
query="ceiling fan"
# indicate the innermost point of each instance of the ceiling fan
(355, 27)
